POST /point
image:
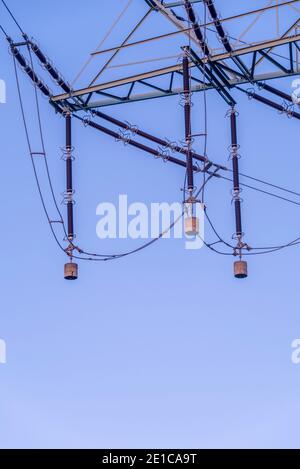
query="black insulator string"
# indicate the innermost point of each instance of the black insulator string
(47, 65)
(147, 136)
(236, 181)
(224, 38)
(268, 102)
(133, 143)
(187, 118)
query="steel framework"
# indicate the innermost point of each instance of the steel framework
(202, 68)
(225, 69)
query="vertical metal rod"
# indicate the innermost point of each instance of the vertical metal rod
(188, 126)
(236, 179)
(69, 176)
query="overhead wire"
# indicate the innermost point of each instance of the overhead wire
(264, 250)
(31, 156)
(12, 16)
(154, 240)
(262, 191)
(3, 30)
(45, 159)
(275, 186)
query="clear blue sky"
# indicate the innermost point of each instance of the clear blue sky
(164, 349)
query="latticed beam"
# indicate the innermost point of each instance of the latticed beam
(108, 89)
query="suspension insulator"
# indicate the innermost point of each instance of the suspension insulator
(187, 116)
(69, 177)
(218, 25)
(240, 267)
(48, 65)
(196, 28)
(235, 168)
(28, 70)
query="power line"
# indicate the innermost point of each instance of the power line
(3, 30)
(269, 184)
(12, 16)
(262, 191)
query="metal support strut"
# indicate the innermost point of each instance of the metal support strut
(236, 179)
